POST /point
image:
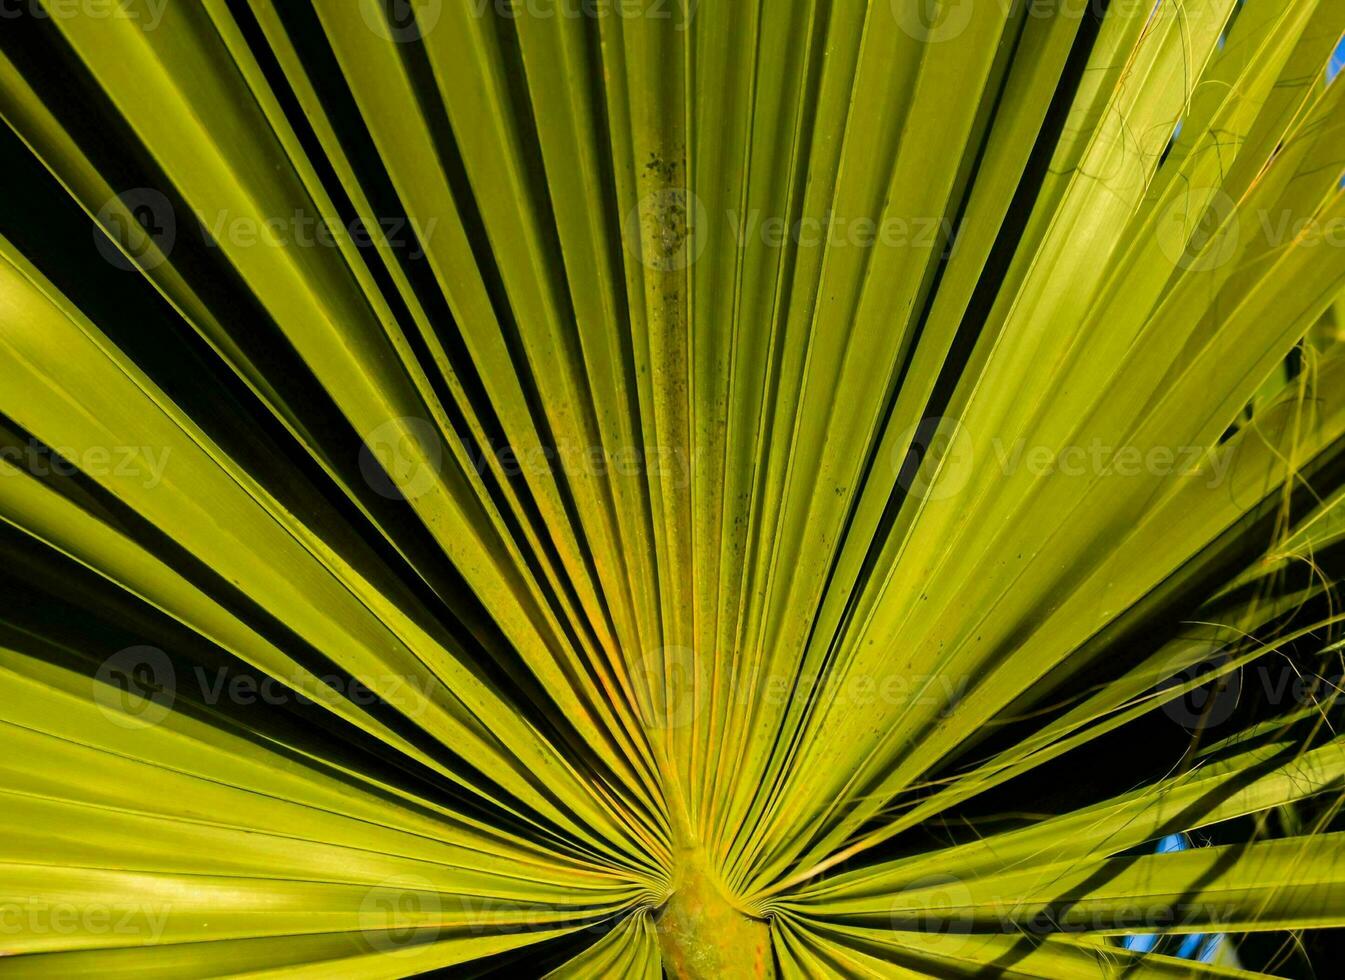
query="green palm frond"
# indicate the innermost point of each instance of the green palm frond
(657, 487)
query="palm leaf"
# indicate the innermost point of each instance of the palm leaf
(715, 489)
